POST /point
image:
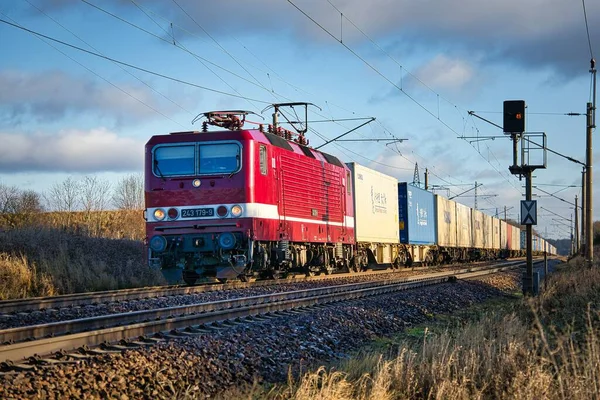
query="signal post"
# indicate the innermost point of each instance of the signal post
(514, 124)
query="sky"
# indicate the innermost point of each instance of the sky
(148, 67)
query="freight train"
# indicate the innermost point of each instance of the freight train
(242, 203)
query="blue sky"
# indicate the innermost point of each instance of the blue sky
(417, 67)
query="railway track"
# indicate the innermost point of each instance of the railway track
(74, 339)
(83, 299)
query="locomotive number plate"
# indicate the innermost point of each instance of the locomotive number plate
(197, 212)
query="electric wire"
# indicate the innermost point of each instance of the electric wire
(130, 65)
(198, 58)
(170, 43)
(587, 29)
(101, 77)
(385, 77)
(219, 45)
(120, 66)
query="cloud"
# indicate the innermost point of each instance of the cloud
(70, 151)
(537, 34)
(444, 73)
(53, 95)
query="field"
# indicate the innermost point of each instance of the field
(56, 253)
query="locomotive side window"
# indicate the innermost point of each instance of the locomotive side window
(174, 160)
(262, 155)
(222, 158)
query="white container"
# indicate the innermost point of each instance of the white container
(375, 205)
(515, 238)
(496, 234)
(446, 221)
(478, 229)
(488, 231)
(464, 237)
(504, 245)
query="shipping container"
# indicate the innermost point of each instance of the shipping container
(478, 228)
(375, 205)
(495, 233)
(488, 229)
(515, 242)
(503, 235)
(464, 237)
(445, 211)
(416, 210)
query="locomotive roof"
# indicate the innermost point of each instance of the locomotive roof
(255, 134)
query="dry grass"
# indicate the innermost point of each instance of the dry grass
(542, 348)
(115, 224)
(19, 278)
(59, 253)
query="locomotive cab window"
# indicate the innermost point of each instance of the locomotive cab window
(174, 160)
(262, 155)
(221, 158)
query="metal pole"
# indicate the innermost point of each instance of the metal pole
(528, 281)
(576, 228)
(515, 140)
(572, 236)
(545, 270)
(583, 207)
(426, 179)
(589, 239)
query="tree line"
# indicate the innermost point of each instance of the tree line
(89, 193)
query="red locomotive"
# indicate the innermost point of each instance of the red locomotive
(241, 203)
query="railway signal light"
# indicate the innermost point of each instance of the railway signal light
(514, 116)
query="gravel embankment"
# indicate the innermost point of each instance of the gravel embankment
(261, 351)
(93, 310)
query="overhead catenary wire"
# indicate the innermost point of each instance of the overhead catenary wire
(587, 29)
(386, 78)
(180, 46)
(131, 65)
(120, 66)
(45, 40)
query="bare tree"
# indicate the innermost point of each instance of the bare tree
(129, 193)
(9, 196)
(64, 196)
(29, 201)
(95, 194)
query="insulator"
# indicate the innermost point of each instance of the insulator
(261, 128)
(204, 126)
(270, 128)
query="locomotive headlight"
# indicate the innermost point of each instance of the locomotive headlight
(236, 210)
(196, 183)
(159, 214)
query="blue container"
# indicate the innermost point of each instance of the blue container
(416, 208)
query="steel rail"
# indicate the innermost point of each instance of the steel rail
(110, 296)
(179, 317)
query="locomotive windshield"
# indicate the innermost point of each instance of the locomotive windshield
(197, 159)
(219, 158)
(174, 160)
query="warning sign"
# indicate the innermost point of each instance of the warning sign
(528, 212)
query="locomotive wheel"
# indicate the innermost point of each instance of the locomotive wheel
(222, 280)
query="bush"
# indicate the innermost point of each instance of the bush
(73, 262)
